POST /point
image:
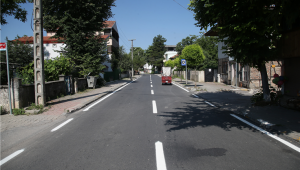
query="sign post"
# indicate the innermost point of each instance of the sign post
(3, 48)
(184, 63)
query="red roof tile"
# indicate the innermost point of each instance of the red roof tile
(109, 24)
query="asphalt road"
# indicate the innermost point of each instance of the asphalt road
(123, 131)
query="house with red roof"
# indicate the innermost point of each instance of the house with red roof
(53, 47)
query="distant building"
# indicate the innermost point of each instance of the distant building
(171, 51)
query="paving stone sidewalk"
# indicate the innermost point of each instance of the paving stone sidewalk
(58, 108)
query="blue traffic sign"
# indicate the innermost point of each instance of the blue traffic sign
(183, 62)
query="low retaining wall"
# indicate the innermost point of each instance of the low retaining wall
(23, 95)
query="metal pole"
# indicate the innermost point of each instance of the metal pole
(186, 73)
(236, 79)
(132, 56)
(8, 80)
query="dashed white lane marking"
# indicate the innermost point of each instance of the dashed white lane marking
(86, 109)
(160, 157)
(3, 161)
(151, 82)
(61, 125)
(154, 106)
(181, 87)
(151, 85)
(152, 92)
(268, 133)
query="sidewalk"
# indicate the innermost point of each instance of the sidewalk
(277, 120)
(60, 107)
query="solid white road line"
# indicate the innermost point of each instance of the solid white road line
(152, 92)
(181, 87)
(268, 133)
(195, 95)
(160, 157)
(86, 109)
(61, 125)
(151, 85)
(3, 161)
(154, 106)
(210, 104)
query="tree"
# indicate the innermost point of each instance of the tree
(169, 63)
(12, 8)
(208, 45)
(138, 58)
(78, 30)
(194, 56)
(155, 52)
(19, 53)
(252, 28)
(189, 40)
(125, 62)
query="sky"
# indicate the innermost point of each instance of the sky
(136, 19)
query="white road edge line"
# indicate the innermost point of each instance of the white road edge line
(269, 134)
(3, 161)
(61, 125)
(152, 92)
(86, 109)
(210, 104)
(154, 106)
(195, 95)
(181, 87)
(160, 157)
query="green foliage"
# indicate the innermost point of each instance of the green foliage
(169, 63)
(58, 66)
(19, 54)
(155, 52)
(189, 40)
(249, 29)
(33, 106)
(12, 8)
(125, 62)
(53, 68)
(139, 59)
(194, 56)
(18, 112)
(78, 30)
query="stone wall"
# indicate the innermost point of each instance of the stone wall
(4, 97)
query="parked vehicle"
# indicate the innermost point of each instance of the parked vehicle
(166, 75)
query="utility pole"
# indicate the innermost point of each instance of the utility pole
(39, 77)
(132, 56)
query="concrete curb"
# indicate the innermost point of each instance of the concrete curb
(80, 106)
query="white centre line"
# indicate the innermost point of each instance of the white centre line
(154, 106)
(152, 92)
(268, 133)
(61, 125)
(3, 161)
(160, 157)
(151, 85)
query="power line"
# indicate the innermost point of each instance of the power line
(182, 6)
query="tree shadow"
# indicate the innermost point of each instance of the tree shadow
(197, 114)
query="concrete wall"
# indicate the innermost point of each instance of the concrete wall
(198, 76)
(23, 95)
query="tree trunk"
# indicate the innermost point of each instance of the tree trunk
(265, 85)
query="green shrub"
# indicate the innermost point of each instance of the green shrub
(18, 112)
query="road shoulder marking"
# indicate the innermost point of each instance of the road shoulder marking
(61, 125)
(268, 133)
(205, 101)
(3, 161)
(180, 87)
(160, 157)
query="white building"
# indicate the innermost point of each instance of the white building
(171, 51)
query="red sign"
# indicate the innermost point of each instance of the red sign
(2, 45)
